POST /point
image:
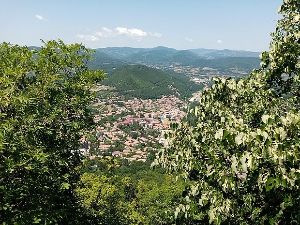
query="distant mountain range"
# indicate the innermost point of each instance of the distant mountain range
(213, 53)
(221, 60)
(124, 52)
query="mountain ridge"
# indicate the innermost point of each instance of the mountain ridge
(201, 52)
(162, 57)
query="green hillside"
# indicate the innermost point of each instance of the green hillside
(240, 63)
(144, 82)
(152, 56)
(105, 62)
(214, 53)
(121, 52)
(184, 57)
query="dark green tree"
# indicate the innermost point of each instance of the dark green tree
(241, 151)
(44, 99)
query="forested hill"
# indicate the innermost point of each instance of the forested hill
(144, 82)
(104, 61)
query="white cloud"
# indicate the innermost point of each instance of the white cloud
(220, 41)
(87, 37)
(134, 33)
(189, 39)
(155, 34)
(39, 17)
(121, 31)
(105, 32)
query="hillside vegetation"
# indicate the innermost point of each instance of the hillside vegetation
(104, 61)
(144, 82)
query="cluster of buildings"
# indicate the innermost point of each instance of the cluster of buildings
(132, 128)
(201, 75)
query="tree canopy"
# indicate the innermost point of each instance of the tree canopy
(241, 147)
(44, 99)
(115, 191)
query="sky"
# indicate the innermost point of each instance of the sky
(179, 24)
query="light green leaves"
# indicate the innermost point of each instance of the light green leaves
(265, 119)
(248, 141)
(239, 139)
(65, 185)
(219, 134)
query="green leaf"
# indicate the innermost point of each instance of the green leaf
(65, 185)
(283, 182)
(269, 184)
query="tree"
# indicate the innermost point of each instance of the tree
(105, 198)
(241, 148)
(44, 99)
(115, 192)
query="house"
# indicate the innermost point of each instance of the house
(116, 153)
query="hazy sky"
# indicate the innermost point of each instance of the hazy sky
(180, 24)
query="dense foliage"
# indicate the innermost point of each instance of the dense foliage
(116, 192)
(44, 95)
(241, 148)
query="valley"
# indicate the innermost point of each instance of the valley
(199, 65)
(145, 90)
